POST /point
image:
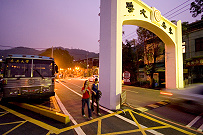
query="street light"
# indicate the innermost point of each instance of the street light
(77, 68)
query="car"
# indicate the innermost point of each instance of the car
(91, 79)
(189, 99)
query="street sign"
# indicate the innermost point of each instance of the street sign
(126, 77)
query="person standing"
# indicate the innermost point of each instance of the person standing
(95, 96)
(86, 99)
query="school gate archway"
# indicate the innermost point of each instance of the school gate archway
(114, 14)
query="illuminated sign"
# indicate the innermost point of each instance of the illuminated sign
(18, 60)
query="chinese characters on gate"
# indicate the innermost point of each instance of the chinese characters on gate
(157, 15)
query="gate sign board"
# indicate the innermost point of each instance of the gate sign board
(126, 77)
(113, 15)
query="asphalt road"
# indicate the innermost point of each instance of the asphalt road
(157, 119)
(139, 97)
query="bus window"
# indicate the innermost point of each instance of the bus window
(42, 68)
(18, 70)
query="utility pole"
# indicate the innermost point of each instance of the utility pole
(52, 53)
(87, 64)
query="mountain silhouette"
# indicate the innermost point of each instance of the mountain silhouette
(78, 54)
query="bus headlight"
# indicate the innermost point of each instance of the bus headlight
(45, 89)
(14, 92)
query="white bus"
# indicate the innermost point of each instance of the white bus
(27, 76)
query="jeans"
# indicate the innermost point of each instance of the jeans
(96, 100)
(88, 106)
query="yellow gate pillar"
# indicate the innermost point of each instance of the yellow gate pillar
(110, 57)
(179, 57)
(114, 14)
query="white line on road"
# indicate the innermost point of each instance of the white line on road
(119, 116)
(193, 121)
(78, 129)
(200, 128)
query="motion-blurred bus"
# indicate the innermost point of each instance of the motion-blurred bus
(27, 76)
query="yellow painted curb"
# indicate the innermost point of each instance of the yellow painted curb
(48, 113)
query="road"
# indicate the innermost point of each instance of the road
(155, 119)
(140, 97)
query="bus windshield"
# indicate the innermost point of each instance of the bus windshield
(18, 68)
(42, 68)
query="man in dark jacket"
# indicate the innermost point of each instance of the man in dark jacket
(95, 96)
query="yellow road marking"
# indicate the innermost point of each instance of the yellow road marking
(142, 109)
(173, 123)
(162, 103)
(123, 132)
(52, 129)
(14, 128)
(4, 114)
(36, 122)
(11, 123)
(153, 106)
(163, 123)
(160, 127)
(99, 127)
(141, 129)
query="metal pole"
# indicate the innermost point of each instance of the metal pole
(52, 53)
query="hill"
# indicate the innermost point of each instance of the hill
(77, 54)
(81, 54)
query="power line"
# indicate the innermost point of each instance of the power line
(178, 10)
(129, 34)
(176, 7)
(129, 37)
(179, 13)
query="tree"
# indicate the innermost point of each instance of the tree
(143, 35)
(196, 8)
(184, 27)
(152, 50)
(61, 57)
(128, 60)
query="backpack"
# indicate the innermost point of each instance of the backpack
(99, 94)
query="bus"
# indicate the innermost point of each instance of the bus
(27, 77)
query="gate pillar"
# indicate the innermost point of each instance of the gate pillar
(114, 14)
(110, 56)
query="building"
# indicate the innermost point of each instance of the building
(193, 57)
(154, 60)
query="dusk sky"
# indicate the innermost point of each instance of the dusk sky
(41, 24)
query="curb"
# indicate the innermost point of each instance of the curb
(51, 114)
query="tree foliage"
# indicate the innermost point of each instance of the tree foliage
(196, 8)
(128, 60)
(143, 34)
(61, 57)
(184, 27)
